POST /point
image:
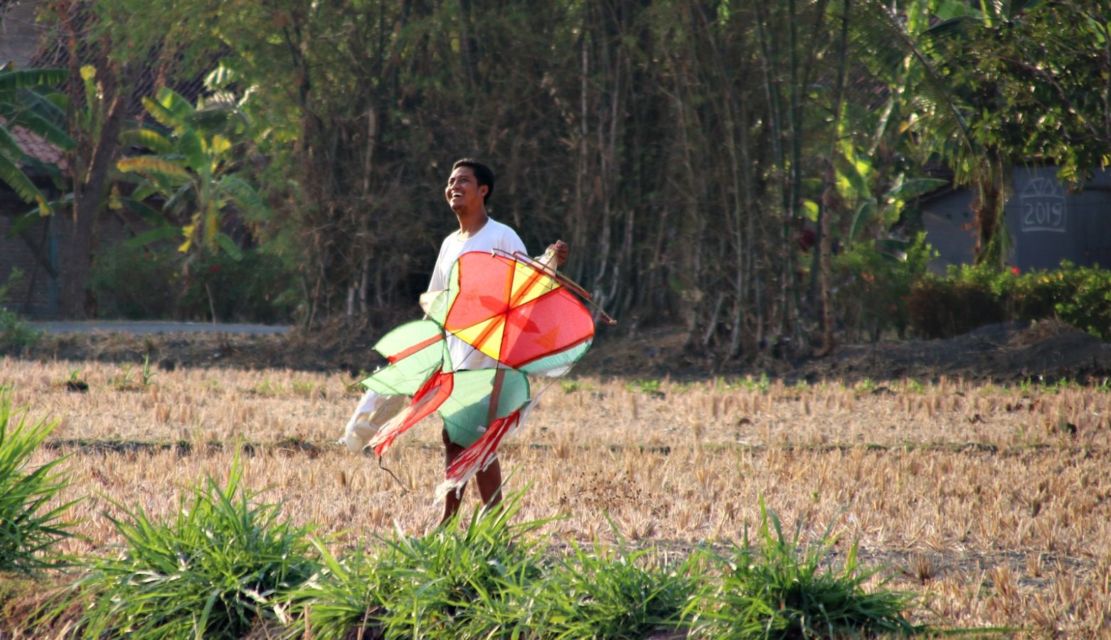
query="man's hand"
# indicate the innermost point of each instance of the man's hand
(560, 249)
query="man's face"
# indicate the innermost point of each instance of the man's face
(463, 192)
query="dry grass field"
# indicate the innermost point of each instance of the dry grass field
(991, 503)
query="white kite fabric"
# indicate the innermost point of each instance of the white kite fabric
(518, 314)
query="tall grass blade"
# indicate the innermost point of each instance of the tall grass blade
(29, 526)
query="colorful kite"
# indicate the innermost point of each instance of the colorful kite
(523, 316)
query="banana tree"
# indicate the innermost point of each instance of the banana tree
(191, 169)
(24, 105)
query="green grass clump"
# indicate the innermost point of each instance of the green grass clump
(783, 590)
(344, 599)
(219, 567)
(451, 583)
(609, 594)
(488, 581)
(29, 525)
(15, 333)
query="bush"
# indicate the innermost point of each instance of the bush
(1081, 296)
(783, 590)
(609, 595)
(447, 584)
(938, 309)
(137, 282)
(29, 526)
(971, 296)
(218, 568)
(255, 288)
(487, 581)
(873, 284)
(134, 282)
(14, 332)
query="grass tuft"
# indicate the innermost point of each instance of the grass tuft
(609, 593)
(29, 525)
(219, 567)
(785, 590)
(451, 583)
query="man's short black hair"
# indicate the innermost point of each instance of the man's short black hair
(483, 174)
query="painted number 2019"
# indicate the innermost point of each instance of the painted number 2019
(1043, 214)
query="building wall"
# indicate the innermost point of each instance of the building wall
(35, 293)
(1046, 222)
(19, 33)
(948, 222)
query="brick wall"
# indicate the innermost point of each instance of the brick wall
(36, 292)
(37, 295)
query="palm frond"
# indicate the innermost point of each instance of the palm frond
(152, 164)
(11, 81)
(12, 175)
(175, 103)
(245, 197)
(8, 146)
(887, 34)
(161, 114)
(41, 126)
(147, 138)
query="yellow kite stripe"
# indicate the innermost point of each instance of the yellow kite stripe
(529, 284)
(486, 336)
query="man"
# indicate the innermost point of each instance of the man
(468, 189)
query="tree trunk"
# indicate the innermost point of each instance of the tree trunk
(95, 153)
(830, 204)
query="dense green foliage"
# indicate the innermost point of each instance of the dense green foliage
(24, 105)
(138, 280)
(487, 581)
(14, 331)
(683, 149)
(603, 593)
(874, 282)
(968, 297)
(31, 523)
(214, 570)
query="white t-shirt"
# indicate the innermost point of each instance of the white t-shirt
(492, 235)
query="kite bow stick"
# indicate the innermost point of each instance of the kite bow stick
(558, 277)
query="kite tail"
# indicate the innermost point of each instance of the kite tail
(478, 456)
(425, 401)
(388, 432)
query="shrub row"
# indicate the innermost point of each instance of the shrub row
(225, 569)
(971, 296)
(141, 282)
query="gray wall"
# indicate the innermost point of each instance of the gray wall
(19, 33)
(1046, 223)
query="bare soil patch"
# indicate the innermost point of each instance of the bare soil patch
(1045, 351)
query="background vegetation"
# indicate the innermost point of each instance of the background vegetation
(745, 170)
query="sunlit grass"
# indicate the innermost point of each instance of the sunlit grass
(32, 522)
(216, 569)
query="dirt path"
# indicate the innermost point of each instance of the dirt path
(1045, 352)
(146, 327)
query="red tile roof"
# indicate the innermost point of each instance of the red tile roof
(38, 147)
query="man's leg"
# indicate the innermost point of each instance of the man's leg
(489, 484)
(489, 481)
(454, 498)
